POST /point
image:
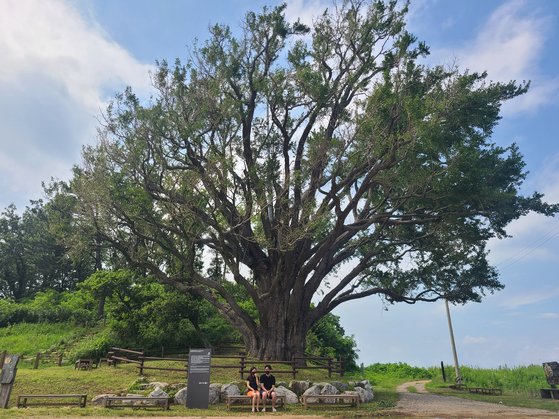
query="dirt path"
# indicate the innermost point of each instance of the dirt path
(426, 405)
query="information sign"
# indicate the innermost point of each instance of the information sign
(7, 378)
(199, 361)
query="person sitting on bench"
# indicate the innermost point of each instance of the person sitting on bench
(268, 388)
(253, 385)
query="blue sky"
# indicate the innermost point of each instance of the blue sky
(62, 60)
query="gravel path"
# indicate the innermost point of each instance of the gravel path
(426, 405)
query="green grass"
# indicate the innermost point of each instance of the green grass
(521, 385)
(123, 379)
(523, 379)
(28, 339)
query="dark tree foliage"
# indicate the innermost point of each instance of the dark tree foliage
(320, 164)
(33, 254)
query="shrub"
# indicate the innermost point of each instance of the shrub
(93, 345)
(399, 370)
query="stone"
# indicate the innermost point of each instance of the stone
(340, 386)
(363, 384)
(290, 397)
(100, 399)
(180, 396)
(158, 384)
(230, 389)
(365, 395)
(312, 391)
(214, 391)
(158, 392)
(328, 389)
(299, 387)
(175, 386)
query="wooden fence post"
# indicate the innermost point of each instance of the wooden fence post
(329, 367)
(242, 362)
(2, 358)
(60, 359)
(37, 359)
(110, 360)
(142, 359)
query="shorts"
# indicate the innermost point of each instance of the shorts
(269, 395)
(250, 393)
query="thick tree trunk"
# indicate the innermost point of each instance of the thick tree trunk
(277, 342)
(282, 332)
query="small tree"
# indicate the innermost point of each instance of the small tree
(321, 169)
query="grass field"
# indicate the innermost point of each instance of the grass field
(520, 385)
(124, 378)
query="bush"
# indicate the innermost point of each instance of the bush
(399, 370)
(93, 345)
(327, 338)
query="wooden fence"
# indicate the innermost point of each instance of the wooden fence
(55, 357)
(240, 362)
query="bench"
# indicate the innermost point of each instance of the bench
(244, 399)
(80, 399)
(346, 399)
(84, 364)
(136, 401)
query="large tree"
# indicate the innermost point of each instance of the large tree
(322, 165)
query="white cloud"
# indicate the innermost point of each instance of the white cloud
(305, 10)
(529, 297)
(51, 38)
(474, 340)
(534, 236)
(510, 46)
(58, 71)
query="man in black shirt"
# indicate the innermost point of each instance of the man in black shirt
(268, 388)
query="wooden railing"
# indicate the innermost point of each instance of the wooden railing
(240, 362)
(55, 357)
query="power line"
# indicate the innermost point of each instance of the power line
(527, 250)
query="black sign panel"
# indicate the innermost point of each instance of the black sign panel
(9, 370)
(199, 361)
(7, 378)
(551, 370)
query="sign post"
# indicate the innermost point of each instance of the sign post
(7, 378)
(199, 361)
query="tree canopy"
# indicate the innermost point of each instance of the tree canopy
(316, 165)
(34, 250)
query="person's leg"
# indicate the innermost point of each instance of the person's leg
(257, 400)
(273, 401)
(253, 401)
(264, 398)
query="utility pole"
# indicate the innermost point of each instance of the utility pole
(456, 365)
